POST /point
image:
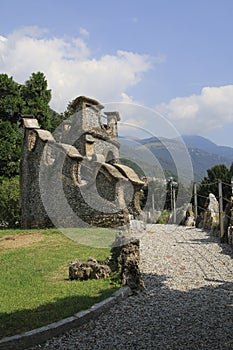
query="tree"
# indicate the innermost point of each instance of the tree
(32, 98)
(231, 170)
(36, 99)
(56, 119)
(10, 149)
(210, 183)
(70, 110)
(11, 102)
(15, 100)
(10, 203)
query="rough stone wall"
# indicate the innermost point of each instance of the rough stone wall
(33, 212)
(69, 186)
(125, 259)
(105, 148)
(105, 187)
(88, 132)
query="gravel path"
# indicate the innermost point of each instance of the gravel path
(187, 303)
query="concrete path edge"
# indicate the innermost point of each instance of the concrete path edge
(40, 335)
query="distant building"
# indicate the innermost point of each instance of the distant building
(148, 179)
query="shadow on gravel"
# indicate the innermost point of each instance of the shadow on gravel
(226, 248)
(195, 319)
(210, 238)
(198, 241)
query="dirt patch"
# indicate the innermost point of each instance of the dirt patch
(19, 240)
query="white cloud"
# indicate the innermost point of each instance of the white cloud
(69, 66)
(84, 32)
(2, 38)
(198, 114)
(140, 121)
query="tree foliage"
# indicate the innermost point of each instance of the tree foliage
(11, 102)
(158, 195)
(36, 97)
(10, 202)
(210, 183)
(15, 100)
(10, 149)
(31, 98)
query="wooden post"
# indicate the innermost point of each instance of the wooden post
(195, 200)
(171, 197)
(174, 205)
(153, 203)
(221, 211)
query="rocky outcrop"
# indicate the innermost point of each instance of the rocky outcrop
(124, 260)
(228, 222)
(185, 216)
(91, 269)
(211, 213)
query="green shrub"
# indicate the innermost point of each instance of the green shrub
(10, 202)
(164, 217)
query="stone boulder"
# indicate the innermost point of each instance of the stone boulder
(228, 222)
(211, 213)
(125, 259)
(136, 226)
(90, 269)
(184, 215)
(230, 235)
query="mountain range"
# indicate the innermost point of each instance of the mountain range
(204, 154)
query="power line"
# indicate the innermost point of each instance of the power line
(204, 209)
(224, 183)
(229, 217)
(227, 200)
(199, 195)
(208, 184)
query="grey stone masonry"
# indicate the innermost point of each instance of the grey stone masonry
(77, 180)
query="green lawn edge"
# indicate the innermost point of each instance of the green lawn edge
(35, 290)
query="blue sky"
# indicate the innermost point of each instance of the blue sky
(173, 56)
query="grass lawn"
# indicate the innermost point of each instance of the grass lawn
(34, 285)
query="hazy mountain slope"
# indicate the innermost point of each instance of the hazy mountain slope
(204, 154)
(208, 146)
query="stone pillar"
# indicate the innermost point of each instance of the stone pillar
(112, 119)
